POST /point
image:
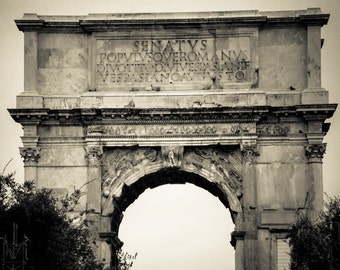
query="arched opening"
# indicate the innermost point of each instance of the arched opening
(176, 176)
(178, 227)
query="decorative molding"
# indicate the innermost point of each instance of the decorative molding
(31, 155)
(111, 22)
(237, 236)
(315, 152)
(117, 116)
(272, 130)
(171, 130)
(153, 116)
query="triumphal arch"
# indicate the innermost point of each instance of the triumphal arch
(229, 101)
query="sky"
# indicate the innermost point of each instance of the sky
(193, 230)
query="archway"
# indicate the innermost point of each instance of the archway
(178, 227)
(161, 178)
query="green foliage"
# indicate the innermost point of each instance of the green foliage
(314, 244)
(55, 242)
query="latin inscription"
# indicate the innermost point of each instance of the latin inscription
(171, 61)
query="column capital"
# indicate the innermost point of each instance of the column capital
(315, 152)
(249, 153)
(30, 155)
(94, 155)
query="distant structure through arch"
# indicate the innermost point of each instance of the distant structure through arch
(229, 101)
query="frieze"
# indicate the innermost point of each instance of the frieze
(272, 130)
(170, 130)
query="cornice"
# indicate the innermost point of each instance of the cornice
(316, 112)
(86, 116)
(111, 22)
(139, 116)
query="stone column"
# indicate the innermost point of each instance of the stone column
(249, 202)
(314, 154)
(31, 156)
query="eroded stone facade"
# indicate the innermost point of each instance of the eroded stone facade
(229, 101)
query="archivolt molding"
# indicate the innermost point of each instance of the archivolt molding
(123, 167)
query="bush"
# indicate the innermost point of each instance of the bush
(309, 246)
(315, 245)
(55, 242)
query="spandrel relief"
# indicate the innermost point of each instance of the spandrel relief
(223, 162)
(122, 161)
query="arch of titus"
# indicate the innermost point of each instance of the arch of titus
(229, 101)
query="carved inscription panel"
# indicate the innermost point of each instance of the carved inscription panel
(160, 63)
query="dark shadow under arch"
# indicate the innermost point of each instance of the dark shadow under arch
(164, 176)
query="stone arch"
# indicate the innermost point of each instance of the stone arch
(161, 177)
(128, 171)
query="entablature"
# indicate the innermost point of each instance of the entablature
(184, 126)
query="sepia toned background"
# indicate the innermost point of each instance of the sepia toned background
(179, 226)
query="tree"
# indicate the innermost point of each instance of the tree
(55, 242)
(125, 260)
(315, 245)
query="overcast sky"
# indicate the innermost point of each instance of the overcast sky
(193, 230)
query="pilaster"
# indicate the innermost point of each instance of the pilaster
(249, 224)
(94, 155)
